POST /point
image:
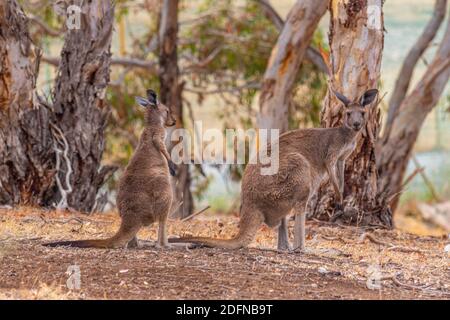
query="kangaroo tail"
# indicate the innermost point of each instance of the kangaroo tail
(248, 227)
(124, 235)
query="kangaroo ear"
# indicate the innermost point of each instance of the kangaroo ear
(142, 102)
(152, 97)
(342, 98)
(368, 97)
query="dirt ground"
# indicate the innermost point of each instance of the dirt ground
(340, 262)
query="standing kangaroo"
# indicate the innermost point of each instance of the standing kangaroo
(306, 158)
(145, 194)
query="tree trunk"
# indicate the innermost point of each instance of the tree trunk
(285, 61)
(395, 148)
(356, 43)
(170, 91)
(26, 145)
(311, 54)
(79, 104)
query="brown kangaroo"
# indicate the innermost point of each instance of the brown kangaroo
(306, 158)
(145, 194)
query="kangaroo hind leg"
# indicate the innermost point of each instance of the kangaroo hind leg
(133, 243)
(162, 233)
(283, 235)
(300, 219)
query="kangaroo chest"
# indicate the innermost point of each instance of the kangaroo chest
(347, 150)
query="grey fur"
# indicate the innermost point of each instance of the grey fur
(307, 157)
(145, 193)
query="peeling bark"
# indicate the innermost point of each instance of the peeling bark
(285, 61)
(171, 89)
(26, 155)
(311, 54)
(356, 41)
(394, 151)
(27, 143)
(79, 102)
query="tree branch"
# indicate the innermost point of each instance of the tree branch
(271, 14)
(396, 146)
(203, 63)
(312, 55)
(45, 27)
(149, 66)
(410, 62)
(250, 85)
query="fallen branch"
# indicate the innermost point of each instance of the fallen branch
(5, 239)
(333, 238)
(195, 214)
(390, 246)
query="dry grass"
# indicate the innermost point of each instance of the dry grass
(408, 219)
(338, 263)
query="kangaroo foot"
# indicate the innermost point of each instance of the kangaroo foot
(299, 249)
(339, 207)
(146, 244)
(134, 243)
(284, 247)
(283, 236)
(338, 212)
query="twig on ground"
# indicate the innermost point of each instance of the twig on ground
(195, 214)
(5, 239)
(388, 244)
(333, 238)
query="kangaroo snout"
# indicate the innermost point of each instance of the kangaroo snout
(170, 122)
(357, 125)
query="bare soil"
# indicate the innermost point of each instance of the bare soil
(339, 263)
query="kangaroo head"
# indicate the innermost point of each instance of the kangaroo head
(355, 111)
(156, 111)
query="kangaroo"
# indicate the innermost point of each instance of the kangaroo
(145, 193)
(307, 157)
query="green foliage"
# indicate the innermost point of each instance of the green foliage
(224, 47)
(44, 11)
(307, 97)
(220, 203)
(245, 38)
(200, 185)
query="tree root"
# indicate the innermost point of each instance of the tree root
(390, 246)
